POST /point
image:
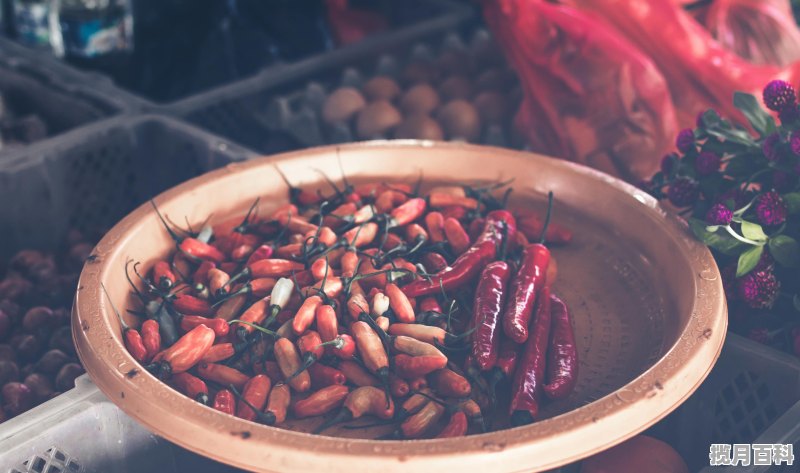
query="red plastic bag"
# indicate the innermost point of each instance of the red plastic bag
(701, 73)
(761, 31)
(590, 95)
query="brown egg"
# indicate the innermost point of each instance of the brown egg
(492, 107)
(419, 127)
(456, 87)
(419, 71)
(460, 120)
(376, 119)
(342, 105)
(420, 99)
(381, 88)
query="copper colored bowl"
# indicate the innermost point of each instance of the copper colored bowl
(647, 302)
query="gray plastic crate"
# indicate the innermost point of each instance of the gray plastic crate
(91, 177)
(247, 113)
(65, 98)
(749, 382)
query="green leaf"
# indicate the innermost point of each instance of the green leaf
(720, 241)
(752, 110)
(748, 260)
(753, 231)
(792, 200)
(733, 136)
(710, 118)
(712, 228)
(785, 250)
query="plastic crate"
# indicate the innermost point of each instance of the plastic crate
(281, 104)
(91, 177)
(65, 99)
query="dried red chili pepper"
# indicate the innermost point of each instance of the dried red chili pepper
(361, 401)
(151, 338)
(419, 423)
(163, 276)
(289, 361)
(398, 386)
(470, 263)
(221, 374)
(412, 367)
(321, 402)
(400, 304)
(529, 377)
(490, 297)
(434, 222)
(448, 383)
(219, 326)
(188, 304)
(191, 386)
(254, 396)
(278, 403)
(324, 375)
(357, 375)
(305, 314)
(456, 426)
(562, 362)
(185, 353)
(225, 402)
(456, 235)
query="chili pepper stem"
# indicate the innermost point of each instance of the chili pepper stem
(255, 326)
(266, 418)
(172, 233)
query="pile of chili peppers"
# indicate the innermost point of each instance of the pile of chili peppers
(372, 301)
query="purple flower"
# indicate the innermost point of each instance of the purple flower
(683, 192)
(794, 142)
(770, 147)
(760, 335)
(685, 140)
(719, 214)
(770, 209)
(735, 194)
(766, 262)
(759, 289)
(789, 115)
(778, 95)
(707, 163)
(783, 181)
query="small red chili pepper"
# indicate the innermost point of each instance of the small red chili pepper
(415, 233)
(473, 413)
(255, 315)
(449, 383)
(229, 309)
(361, 235)
(418, 384)
(398, 386)
(433, 262)
(289, 361)
(407, 212)
(490, 299)
(131, 337)
(188, 304)
(413, 347)
(348, 349)
(456, 426)
(523, 291)
(361, 401)
(472, 261)
(219, 352)
(456, 235)
(529, 378)
(434, 222)
(163, 276)
(273, 268)
(200, 250)
(415, 426)
(531, 226)
(371, 349)
(562, 364)
(319, 269)
(217, 281)
(321, 402)
(305, 314)
(390, 241)
(219, 326)
(324, 375)
(191, 386)
(296, 224)
(412, 367)
(186, 352)
(425, 333)
(363, 214)
(440, 199)
(151, 338)
(254, 395)
(241, 252)
(356, 374)
(221, 374)
(225, 402)
(291, 251)
(278, 403)
(357, 303)
(454, 211)
(429, 304)
(343, 212)
(200, 276)
(349, 264)
(400, 304)
(388, 199)
(331, 286)
(260, 253)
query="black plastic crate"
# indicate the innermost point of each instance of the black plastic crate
(91, 177)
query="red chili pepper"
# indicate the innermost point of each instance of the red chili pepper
(241, 252)
(296, 224)
(418, 384)
(255, 314)
(527, 283)
(254, 395)
(349, 264)
(188, 304)
(331, 286)
(191, 386)
(289, 361)
(323, 375)
(412, 367)
(163, 276)
(229, 309)
(344, 213)
(531, 226)
(273, 268)
(361, 401)
(490, 299)
(221, 374)
(361, 235)
(186, 352)
(441, 199)
(407, 212)
(429, 304)
(305, 314)
(415, 233)
(390, 241)
(449, 383)
(419, 423)
(529, 377)
(151, 338)
(219, 326)
(562, 362)
(456, 426)
(321, 402)
(388, 199)
(219, 352)
(470, 263)
(357, 303)
(434, 222)
(348, 349)
(475, 228)
(225, 402)
(433, 262)
(278, 402)
(398, 386)
(356, 374)
(371, 350)
(260, 253)
(134, 344)
(456, 235)
(217, 281)
(400, 304)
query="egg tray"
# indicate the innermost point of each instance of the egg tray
(751, 396)
(32, 82)
(280, 109)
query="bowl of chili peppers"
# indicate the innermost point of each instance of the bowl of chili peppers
(402, 306)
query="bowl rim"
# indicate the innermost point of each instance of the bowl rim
(109, 364)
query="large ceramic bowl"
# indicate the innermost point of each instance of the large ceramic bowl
(647, 299)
